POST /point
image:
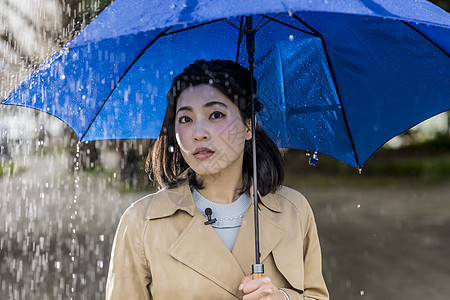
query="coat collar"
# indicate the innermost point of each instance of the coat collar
(180, 198)
(200, 248)
(171, 200)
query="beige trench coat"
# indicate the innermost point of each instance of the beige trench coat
(163, 250)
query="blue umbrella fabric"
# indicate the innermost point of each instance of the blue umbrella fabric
(336, 77)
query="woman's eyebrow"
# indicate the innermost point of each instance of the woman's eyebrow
(188, 108)
(208, 104)
(212, 103)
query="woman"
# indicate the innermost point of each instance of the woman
(194, 238)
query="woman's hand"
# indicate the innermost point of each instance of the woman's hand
(260, 288)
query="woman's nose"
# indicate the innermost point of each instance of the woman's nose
(200, 133)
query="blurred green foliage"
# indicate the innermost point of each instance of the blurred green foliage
(421, 163)
(6, 169)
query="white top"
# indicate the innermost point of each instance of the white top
(229, 216)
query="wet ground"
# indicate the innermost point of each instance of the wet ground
(385, 242)
(389, 241)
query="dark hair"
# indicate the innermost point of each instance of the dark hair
(165, 163)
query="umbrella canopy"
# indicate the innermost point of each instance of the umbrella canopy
(336, 77)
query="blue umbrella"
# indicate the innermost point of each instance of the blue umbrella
(336, 77)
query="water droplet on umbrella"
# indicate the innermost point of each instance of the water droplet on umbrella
(314, 159)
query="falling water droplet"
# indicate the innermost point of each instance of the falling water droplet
(361, 293)
(100, 264)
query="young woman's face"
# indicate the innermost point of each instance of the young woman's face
(210, 131)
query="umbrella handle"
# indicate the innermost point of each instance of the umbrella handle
(257, 271)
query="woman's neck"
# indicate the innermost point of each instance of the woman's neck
(223, 187)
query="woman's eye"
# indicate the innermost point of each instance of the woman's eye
(184, 119)
(217, 115)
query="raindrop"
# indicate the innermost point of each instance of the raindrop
(360, 170)
(358, 206)
(100, 264)
(291, 37)
(361, 293)
(171, 149)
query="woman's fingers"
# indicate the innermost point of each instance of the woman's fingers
(259, 288)
(245, 280)
(253, 285)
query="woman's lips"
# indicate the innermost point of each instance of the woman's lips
(203, 153)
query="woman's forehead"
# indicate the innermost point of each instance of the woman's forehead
(203, 95)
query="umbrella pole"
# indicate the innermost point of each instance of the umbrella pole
(257, 268)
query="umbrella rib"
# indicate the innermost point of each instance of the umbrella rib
(426, 37)
(333, 75)
(189, 28)
(263, 16)
(241, 35)
(259, 23)
(123, 75)
(230, 23)
(289, 25)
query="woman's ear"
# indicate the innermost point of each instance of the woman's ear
(248, 134)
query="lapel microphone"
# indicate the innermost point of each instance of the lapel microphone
(208, 213)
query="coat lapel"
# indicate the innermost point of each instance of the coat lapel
(270, 235)
(200, 248)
